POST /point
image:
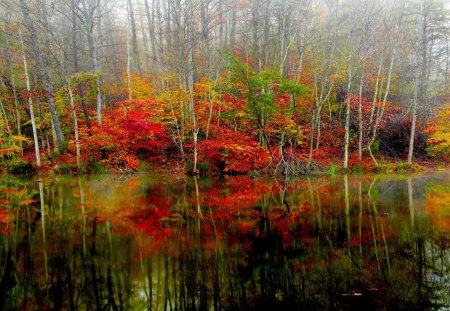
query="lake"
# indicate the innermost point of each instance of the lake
(156, 242)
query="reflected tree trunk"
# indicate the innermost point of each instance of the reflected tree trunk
(410, 202)
(44, 239)
(347, 208)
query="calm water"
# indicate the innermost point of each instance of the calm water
(139, 242)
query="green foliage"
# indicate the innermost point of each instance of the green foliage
(293, 88)
(382, 168)
(96, 168)
(204, 166)
(84, 77)
(144, 167)
(404, 167)
(396, 167)
(65, 169)
(332, 170)
(257, 89)
(376, 146)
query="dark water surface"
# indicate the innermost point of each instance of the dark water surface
(138, 242)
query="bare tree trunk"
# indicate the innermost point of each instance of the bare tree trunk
(16, 99)
(265, 52)
(76, 62)
(420, 92)
(5, 117)
(75, 122)
(375, 93)
(136, 62)
(360, 119)
(315, 119)
(255, 23)
(128, 54)
(43, 75)
(168, 29)
(379, 116)
(413, 132)
(347, 119)
(161, 46)
(72, 105)
(74, 36)
(205, 33)
(98, 69)
(94, 53)
(233, 29)
(151, 31)
(30, 102)
(211, 105)
(144, 38)
(191, 82)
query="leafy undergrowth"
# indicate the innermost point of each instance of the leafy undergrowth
(237, 131)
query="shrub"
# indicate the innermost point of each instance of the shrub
(20, 167)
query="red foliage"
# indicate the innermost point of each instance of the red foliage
(127, 134)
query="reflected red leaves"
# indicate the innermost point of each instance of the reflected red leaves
(4, 221)
(13, 191)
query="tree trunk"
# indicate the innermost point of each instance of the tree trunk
(360, 119)
(75, 122)
(30, 103)
(43, 75)
(144, 39)
(421, 86)
(191, 43)
(136, 62)
(151, 31)
(255, 23)
(413, 131)
(74, 36)
(161, 47)
(16, 99)
(5, 117)
(76, 62)
(205, 33)
(379, 116)
(128, 56)
(233, 29)
(93, 51)
(347, 119)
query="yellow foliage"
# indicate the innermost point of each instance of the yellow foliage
(439, 138)
(141, 87)
(437, 205)
(20, 138)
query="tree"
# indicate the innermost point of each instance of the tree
(43, 74)
(257, 89)
(30, 102)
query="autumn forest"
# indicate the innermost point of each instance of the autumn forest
(224, 155)
(228, 87)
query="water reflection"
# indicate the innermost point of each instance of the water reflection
(153, 243)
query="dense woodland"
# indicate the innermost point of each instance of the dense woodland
(204, 86)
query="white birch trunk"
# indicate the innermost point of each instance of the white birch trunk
(30, 103)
